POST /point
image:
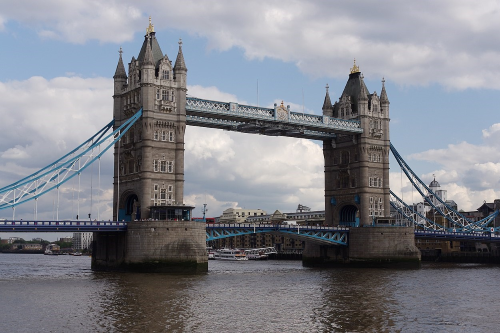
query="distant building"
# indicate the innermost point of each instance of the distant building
(32, 247)
(239, 215)
(66, 239)
(82, 240)
(14, 239)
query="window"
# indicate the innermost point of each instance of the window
(165, 74)
(155, 165)
(155, 136)
(163, 194)
(170, 166)
(157, 93)
(173, 96)
(171, 136)
(156, 187)
(163, 136)
(164, 95)
(163, 166)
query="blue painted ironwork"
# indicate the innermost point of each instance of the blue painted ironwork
(458, 235)
(70, 165)
(61, 226)
(325, 235)
(457, 220)
(259, 120)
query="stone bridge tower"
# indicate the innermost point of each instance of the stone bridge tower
(149, 159)
(149, 171)
(357, 190)
(357, 166)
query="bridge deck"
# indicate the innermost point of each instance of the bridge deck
(259, 120)
(61, 226)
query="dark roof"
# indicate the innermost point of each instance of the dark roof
(155, 48)
(355, 86)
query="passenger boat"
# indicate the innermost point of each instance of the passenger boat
(230, 254)
(260, 253)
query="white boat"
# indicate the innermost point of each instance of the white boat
(211, 254)
(260, 253)
(230, 254)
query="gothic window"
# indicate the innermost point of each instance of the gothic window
(155, 136)
(155, 187)
(170, 166)
(171, 136)
(155, 165)
(173, 96)
(170, 188)
(131, 166)
(163, 194)
(157, 93)
(164, 96)
(163, 166)
(164, 74)
(344, 181)
(344, 157)
(163, 136)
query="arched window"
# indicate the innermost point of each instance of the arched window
(344, 157)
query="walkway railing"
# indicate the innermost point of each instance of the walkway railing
(67, 226)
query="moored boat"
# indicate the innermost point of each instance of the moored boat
(230, 254)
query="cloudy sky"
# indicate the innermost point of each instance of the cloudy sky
(440, 60)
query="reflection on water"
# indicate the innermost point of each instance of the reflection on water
(62, 294)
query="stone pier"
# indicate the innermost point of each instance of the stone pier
(368, 247)
(152, 246)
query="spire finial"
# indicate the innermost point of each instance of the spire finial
(121, 51)
(150, 28)
(180, 42)
(355, 68)
(383, 81)
(327, 88)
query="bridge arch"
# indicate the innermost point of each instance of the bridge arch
(130, 207)
(349, 216)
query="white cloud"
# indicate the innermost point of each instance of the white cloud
(470, 173)
(454, 43)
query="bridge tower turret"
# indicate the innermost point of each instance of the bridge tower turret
(149, 171)
(357, 166)
(357, 190)
(149, 159)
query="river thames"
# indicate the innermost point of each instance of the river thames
(61, 294)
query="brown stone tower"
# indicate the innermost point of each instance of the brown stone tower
(149, 159)
(357, 166)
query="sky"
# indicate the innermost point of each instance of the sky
(440, 61)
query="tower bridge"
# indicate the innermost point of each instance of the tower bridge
(151, 111)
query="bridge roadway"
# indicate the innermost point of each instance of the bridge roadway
(265, 121)
(318, 234)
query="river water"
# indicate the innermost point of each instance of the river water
(61, 294)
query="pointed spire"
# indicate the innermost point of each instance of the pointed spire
(148, 56)
(363, 92)
(327, 104)
(120, 68)
(383, 93)
(179, 62)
